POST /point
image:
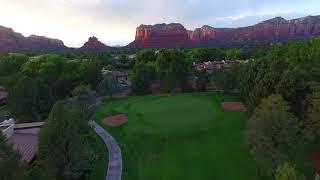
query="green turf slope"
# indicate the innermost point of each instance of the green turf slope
(181, 136)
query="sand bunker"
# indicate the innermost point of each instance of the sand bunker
(234, 106)
(115, 121)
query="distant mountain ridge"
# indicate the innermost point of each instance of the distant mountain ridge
(11, 41)
(270, 31)
(175, 35)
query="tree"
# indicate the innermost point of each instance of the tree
(124, 58)
(24, 100)
(145, 56)
(313, 111)
(287, 171)
(206, 54)
(172, 66)
(56, 77)
(103, 56)
(144, 73)
(11, 166)
(224, 80)
(11, 63)
(266, 84)
(85, 101)
(234, 54)
(108, 86)
(63, 147)
(293, 87)
(273, 132)
(91, 72)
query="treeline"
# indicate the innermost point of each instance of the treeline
(36, 84)
(67, 147)
(217, 54)
(282, 91)
(170, 65)
(40, 88)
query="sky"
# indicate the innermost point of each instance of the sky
(114, 22)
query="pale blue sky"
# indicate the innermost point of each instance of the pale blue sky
(114, 21)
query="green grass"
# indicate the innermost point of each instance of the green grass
(181, 136)
(100, 165)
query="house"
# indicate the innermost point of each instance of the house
(118, 75)
(23, 137)
(210, 66)
(3, 95)
(123, 83)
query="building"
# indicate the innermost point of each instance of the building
(23, 137)
(121, 77)
(123, 86)
(215, 65)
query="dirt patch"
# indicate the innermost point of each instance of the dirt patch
(234, 106)
(115, 121)
(316, 160)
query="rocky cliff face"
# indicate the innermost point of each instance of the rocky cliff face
(271, 31)
(93, 44)
(161, 36)
(11, 41)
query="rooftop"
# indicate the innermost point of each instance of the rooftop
(115, 73)
(24, 138)
(25, 144)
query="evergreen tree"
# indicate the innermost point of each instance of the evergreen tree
(63, 147)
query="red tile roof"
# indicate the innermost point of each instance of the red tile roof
(26, 144)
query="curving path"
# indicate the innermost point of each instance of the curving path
(115, 159)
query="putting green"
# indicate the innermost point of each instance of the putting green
(181, 136)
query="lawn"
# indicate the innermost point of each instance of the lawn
(181, 136)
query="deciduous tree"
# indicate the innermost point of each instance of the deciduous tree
(273, 132)
(287, 171)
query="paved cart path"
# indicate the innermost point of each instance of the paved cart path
(114, 171)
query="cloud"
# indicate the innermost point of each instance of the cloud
(115, 20)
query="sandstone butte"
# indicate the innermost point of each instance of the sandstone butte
(93, 44)
(270, 31)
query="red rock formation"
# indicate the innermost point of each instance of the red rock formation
(93, 44)
(11, 41)
(270, 31)
(161, 36)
